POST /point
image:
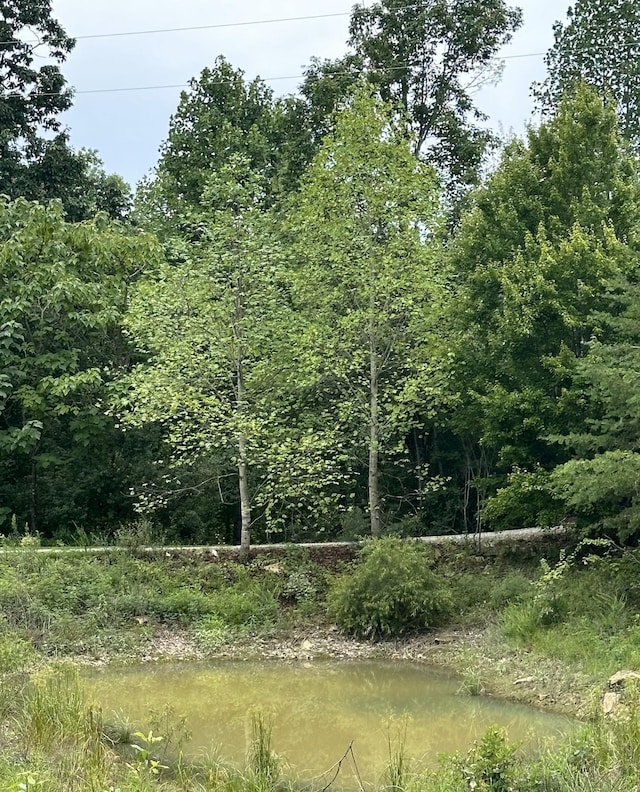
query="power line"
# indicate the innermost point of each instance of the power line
(212, 27)
(217, 26)
(174, 86)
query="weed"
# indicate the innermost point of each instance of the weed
(397, 770)
(489, 766)
(263, 762)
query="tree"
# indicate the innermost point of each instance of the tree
(53, 170)
(553, 227)
(599, 485)
(367, 282)
(31, 100)
(210, 326)
(425, 59)
(600, 45)
(220, 116)
(62, 289)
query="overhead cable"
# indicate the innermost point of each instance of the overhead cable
(174, 86)
(219, 25)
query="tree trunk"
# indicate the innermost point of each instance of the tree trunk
(243, 483)
(374, 494)
(245, 503)
(33, 493)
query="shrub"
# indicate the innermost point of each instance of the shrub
(239, 608)
(392, 590)
(489, 766)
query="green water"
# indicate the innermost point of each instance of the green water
(318, 709)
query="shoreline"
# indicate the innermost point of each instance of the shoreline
(485, 664)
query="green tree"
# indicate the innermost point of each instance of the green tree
(62, 289)
(425, 59)
(600, 45)
(34, 166)
(220, 116)
(599, 485)
(553, 227)
(210, 326)
(32, 98)
(367, 281)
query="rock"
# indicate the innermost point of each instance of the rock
(622, 676)
(610, 702)
(524, 680)
(306, 646)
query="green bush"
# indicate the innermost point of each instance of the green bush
(392, 590)
(253, 606)
(490, 765)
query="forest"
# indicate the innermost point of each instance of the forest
(345, 312)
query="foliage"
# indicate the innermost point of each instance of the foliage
(598, 44)
(489, 765)
(32, 97)
(220, 117)
(538, 254)
(220, 373)
(426, 61)
(32, 165)
(599, 485)
(364, 270)
(392, 590)
(64, 288)
(527, 498)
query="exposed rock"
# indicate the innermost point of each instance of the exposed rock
(622, 676)
(610, 702)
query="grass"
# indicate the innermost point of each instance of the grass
(80, 605)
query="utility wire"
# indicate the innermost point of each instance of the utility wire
(173, 86)
(219, 25)
(152, 32)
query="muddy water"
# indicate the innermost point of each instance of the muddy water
(318, 709)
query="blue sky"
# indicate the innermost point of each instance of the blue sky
(127, 128)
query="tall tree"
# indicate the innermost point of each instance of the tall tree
(600, 45)
(368, 282)
(555, 224)
(220, 116)
(426, 59)
(599, 484)
(210, 326)
(34, 166)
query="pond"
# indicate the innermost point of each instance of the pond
(319, 709)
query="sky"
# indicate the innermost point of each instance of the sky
(127, 127)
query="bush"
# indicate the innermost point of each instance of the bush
(252, 606)
(391, 591)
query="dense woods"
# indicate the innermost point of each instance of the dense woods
(325, 315)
